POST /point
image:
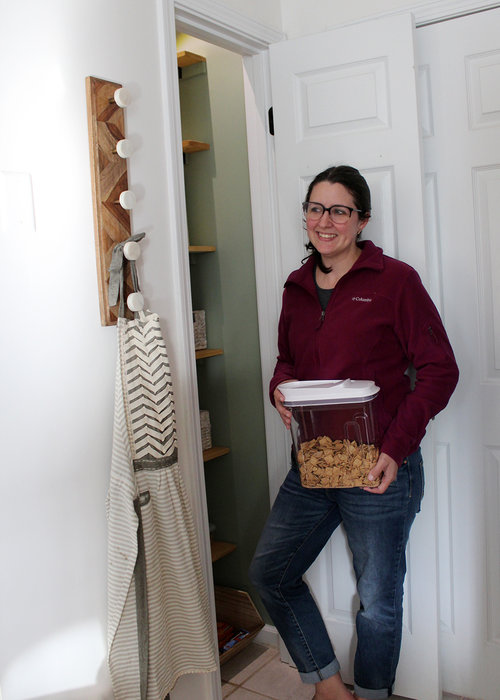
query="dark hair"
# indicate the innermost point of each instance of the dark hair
(357, 187)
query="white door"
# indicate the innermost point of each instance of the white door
(460, 88)
(349, 96)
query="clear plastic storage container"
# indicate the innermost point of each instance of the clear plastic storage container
(334, 431)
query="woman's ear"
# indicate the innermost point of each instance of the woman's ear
(362, 224)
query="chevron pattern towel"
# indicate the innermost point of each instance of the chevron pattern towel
(158, 611)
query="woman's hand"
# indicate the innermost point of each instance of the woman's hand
(285, 413)
(387, 468)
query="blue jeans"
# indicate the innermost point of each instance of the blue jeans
(377, 527)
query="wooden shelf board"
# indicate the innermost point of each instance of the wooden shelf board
(208, 352)
(214, 452)
(221, 549)
(187, 58)
(202, 249)
(190, 146)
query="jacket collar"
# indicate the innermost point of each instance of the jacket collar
(372, 258)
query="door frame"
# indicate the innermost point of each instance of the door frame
(225, 27)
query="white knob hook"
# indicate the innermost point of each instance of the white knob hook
(122, 97)
(135, 301)
(127, 199)
(124, 148)
(132, 250)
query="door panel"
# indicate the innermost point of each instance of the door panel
(349, 96)
(460, 86)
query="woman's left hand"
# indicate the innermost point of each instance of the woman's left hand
(387, 468)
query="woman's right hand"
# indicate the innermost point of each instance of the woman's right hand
(285, 413)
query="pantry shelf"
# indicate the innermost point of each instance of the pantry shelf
(190, 146)
(214, 452)
(208, 352)
(202, 249)
(187, 58)
(221, 549)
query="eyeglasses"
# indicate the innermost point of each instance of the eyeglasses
(338, 213)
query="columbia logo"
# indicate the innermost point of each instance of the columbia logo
(361, 299)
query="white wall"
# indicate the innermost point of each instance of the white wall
(57, 362)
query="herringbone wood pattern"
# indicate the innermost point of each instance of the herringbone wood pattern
(109, 178)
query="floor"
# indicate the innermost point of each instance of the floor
(257, 673)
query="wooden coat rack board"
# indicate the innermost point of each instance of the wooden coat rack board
(106, 125)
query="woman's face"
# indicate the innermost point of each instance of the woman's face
(333, 240)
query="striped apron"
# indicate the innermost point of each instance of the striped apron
(159, 625)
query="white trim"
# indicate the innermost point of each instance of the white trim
(428, 13)
(221, 25)
(267, 251)
(435, 11)
(183, 343)
(442, 10)
(181, 338)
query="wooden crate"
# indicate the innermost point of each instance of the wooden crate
(237, 608)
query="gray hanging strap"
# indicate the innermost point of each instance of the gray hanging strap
(116, 274)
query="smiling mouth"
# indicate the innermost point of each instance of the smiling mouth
(326, 236)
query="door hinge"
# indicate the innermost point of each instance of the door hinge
(270, 119)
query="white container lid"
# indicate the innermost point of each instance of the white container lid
(326, 391)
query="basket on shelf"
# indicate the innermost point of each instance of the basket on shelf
(200, 330)
(206, 432)
(236, 609)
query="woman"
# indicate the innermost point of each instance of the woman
(352, 312)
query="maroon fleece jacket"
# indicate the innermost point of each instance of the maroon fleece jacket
(379, 321)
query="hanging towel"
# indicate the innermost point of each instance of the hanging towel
(159, 624)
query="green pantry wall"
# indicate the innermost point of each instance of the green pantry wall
(223, 284)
